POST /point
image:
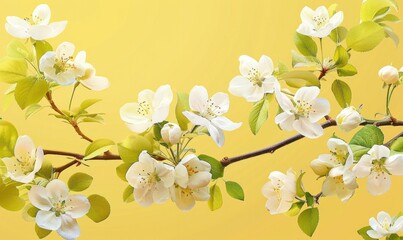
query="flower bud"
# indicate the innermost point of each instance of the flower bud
(319, 167)
(171, 133)
(389, 74)
(348, 119)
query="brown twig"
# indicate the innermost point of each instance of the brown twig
(109, 156)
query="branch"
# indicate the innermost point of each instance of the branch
(271, 149)
(108, 156)
(393, 139)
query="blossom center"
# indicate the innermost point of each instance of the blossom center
(191, 170)
(302, 109)
(338, 156)
(63, 64)
(212, 110)
(59, 207)
(378, 167)
(386, 224)
(255, 77)
(144, 109)
(320, 21)
(26, 163)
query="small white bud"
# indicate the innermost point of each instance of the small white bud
(348, 119)
(171, 133)
(319, 168)
(389, 74)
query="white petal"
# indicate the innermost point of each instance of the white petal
(17, 27)
(379, 151)
(265, 66)
(181, 175)
(285, 120)
(42, 32)
(160, 194)
(320, 108)
(307, 29)
(198, 98)
(308, 129)
(216, 134)
(163, 97)
(201, 194)
(65, 50)
(336, 144)
(336, 19)
(160, 113)
(307, 94)
(307, 14)
(39, 197)
(166, 174)
(397, 225)
(363, 168)
(96, 83)
(77, 206)
(184, 199)
(81, 57)
(136, 122)
(268, 190)
(270, 84)
(200, 179)
(375, 235)
(41, 14)
(225, 124)
(196, 119)
(284, 102)
(378, 183)
(58, 190)
(241, 86)
(69, 228)
(140, 127)
(246, 63)
(329, 187)
(48, 220)
(143, 196)
(256, 95)
(221, 100)
(394, 164)
(24, 148)
(38, 159)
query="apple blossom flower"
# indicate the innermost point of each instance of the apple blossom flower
(317, 23)
(303, 113)
(209, 111)
(171, 133)
(58, 66)
(37, 27)
(348, 119)
(389, 74)
(280, 191)
(89, 79)
(192, 177)
(378, 165)
(256, 79)
(150, 179)
(27, 160)
(384, 225)
(152, 107)
(57, 209)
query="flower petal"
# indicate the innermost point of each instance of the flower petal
(225, 124)
(379, 151)
(48, 220)
(241, 86)
(246, 64)
(160, 194)
(222, 101)
(77, 206)
(307, 94)
(363, 168)
(198, 98)
(17, 27)
(320, 108)
(265, 66)
(307, 128)
(184, 199)
(336, 20)
(166, 174)
(201, 194)
(378, 183)
(42, 32)
(216, 134)
(181, 175)
(284, 102)
(285, 120)
(200, 179)
(96, 83)
(69, 228)
(41, 14)
(196, 119)
(394, 164)
(38, 196)
(163, 97)
(24, 148)
(58, 190)
(256, 95)
(270, 84)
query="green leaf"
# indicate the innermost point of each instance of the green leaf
(88, 103)
(363, 233)
(40, 232)
(121, 170)
(41, 47)
(306, 45)
(338, 34)
(128, 194)
(217, 169)
(309, 199)
(393, 237)
(100, 208)
(365, 37)
(98, 147)
(298, 79)
(130, 149)
(392, 35)
(17, 49)
(364, 139)
(299, 60)
(342, 92)
(215, 200)
(181, 106)
(9, 197)
(79, 182)
(157, 129)
(389, 18)
(308, 221)
(341, 56)
(295, 209)
(346, 71)
(8, 138)
(46, 170)
(259, 114)
(300, 187)
(397, 145)
(32, 109)
(12, 70)
(30, 91)
(370, 8)
(234, 190)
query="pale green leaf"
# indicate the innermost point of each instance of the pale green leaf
(346, 71)
(41, 47)
(365, 36)
(341, 57)
(9, 197)
(46, 170)
(298, 79)
(98, 147)
(130, 149)
(17, 49)
(88, 103)
(217, 169)
(363, 233)
(13, 70)
(100, 208)
(32, 109)
(299, 60)
(259, 114)
(300, 186)
(305, 44)
(397, 145)
(308, 220)
(338, 34)
(181, 106)
(30, 91)
(128, 194)
(234, 190)
(295, 209)
(342, 92)
(215, 200)
(8, 138)
(40, 232)
(370, 8)
(79, 182)
(364, 139)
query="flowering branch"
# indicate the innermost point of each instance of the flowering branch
(271, 149)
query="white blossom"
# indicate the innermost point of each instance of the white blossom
(303, 113)
(57, 209)
(207, 112)
(389, 74)
(89, 78)
(378, 165)
(318, 23)
(152, 107)
(348, 119)
(255, 80)
(37, 27)
(171, 133)
(384, 225)
(27, 160)
(280, 191)
(150, 180)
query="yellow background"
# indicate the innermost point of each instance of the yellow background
(144, 44)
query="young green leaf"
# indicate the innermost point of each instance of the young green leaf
(217, 169)
(12, 70)
(338, 34)
(365, 37)
(309, 199)
(370, 8)
(8, 138)
(40, 232)
(181, 106)
(306, 45)
(121, 170)
(298, 79)
(308, 220)
(234, 190)
(364, 139)
(295, 209)
(342, 93)
(259, 114)
(88, 103)
(100, 208)
(98, 147)
(30, 91)
(46, 170)
(215, 200)
(10, 197)
(17, 49)
(347, 71)
(41, 47)
(79, 182)
(299, 60)
(300, 187)
(341, 56)
(397, 145)
(157, 129)
(130, 149)
(363, 233)
(128, 194)
(32, 109)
